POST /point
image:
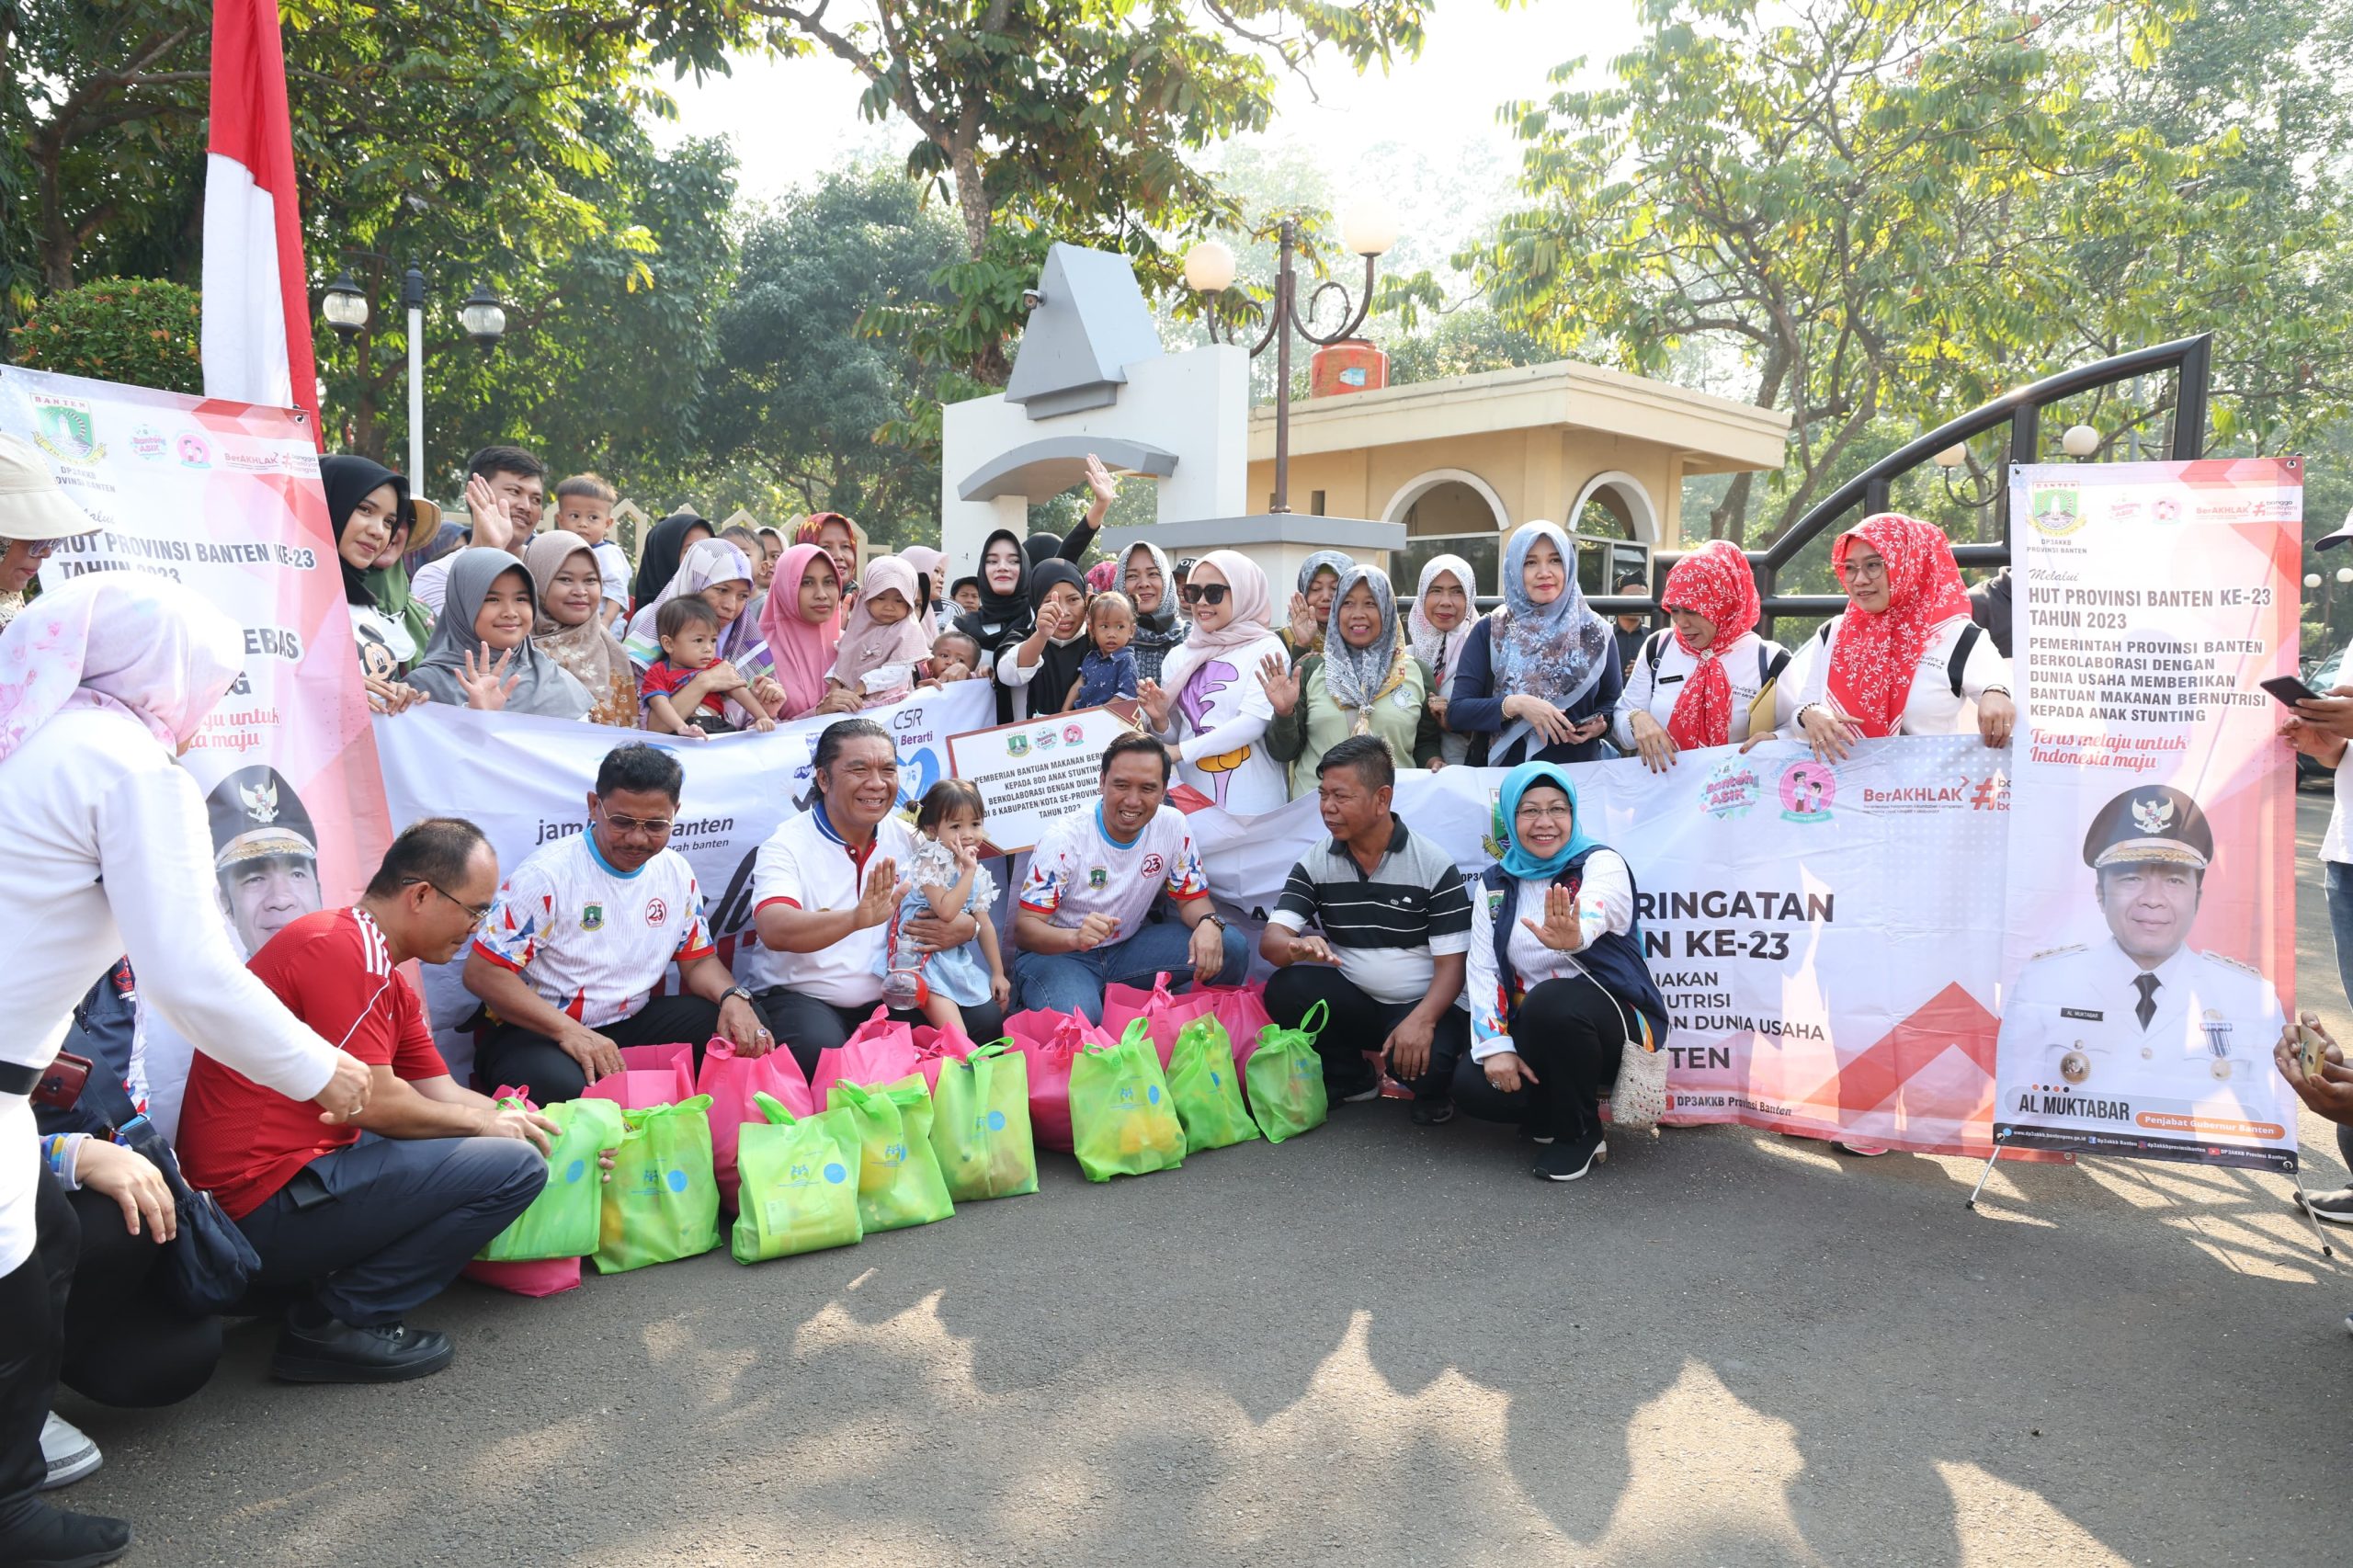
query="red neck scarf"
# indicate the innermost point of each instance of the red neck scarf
(1714, 581)
(1875, 656)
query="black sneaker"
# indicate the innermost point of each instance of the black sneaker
(335, 1352)
(1353, 1093)
(34, 1535)
(1433, 1112)
(1571, 1157)
(2337, 1208)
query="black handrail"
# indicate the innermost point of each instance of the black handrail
(2191, 358)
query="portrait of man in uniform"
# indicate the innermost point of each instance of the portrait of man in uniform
(265, 855)
(2141, 1015)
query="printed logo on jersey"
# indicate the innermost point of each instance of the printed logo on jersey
(1099, 876)
(592, 917)
(656, 911)
(1153, 866)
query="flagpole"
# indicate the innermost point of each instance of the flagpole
(412, 296)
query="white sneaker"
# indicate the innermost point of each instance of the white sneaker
(69, 1451)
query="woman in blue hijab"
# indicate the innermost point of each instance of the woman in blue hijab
(1538, 678)
(1557, 984)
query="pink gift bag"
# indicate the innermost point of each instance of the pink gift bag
(1163, 1012)
(731, 1081)
(650, 1075)
(1242, 1010)
(880, 1052)
(544, 1277)
(934, 1047)
(1049, 1042)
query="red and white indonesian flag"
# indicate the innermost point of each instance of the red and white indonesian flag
(257, 340)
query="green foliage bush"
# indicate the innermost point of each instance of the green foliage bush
(141, 332)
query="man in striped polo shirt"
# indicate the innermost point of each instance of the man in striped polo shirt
(1397, 921)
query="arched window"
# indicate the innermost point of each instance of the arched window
(1446, 512)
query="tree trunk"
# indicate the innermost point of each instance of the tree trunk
(973, 197)
(56, 234)
(1730, 519)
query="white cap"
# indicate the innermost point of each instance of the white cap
(31, 504)
(2344, 532)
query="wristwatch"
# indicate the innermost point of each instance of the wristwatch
(742, 991)
(1216, 919)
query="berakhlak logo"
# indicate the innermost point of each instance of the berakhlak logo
(656, 911)
(67, 429)
(1991, 793)
(1807, 789)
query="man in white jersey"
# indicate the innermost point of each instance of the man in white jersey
(1095, 877)
(825, 889)
(585, 929)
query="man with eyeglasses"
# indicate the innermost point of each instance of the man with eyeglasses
(584, 931)
(364, 1231)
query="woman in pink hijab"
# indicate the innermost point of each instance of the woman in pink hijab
(802, 620)
(882, 648)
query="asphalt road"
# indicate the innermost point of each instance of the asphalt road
(1377, 1344)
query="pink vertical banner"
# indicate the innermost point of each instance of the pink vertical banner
(2150, 959)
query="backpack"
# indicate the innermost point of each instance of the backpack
(1954, 667)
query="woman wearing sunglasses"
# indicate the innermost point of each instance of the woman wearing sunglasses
(1211, 704)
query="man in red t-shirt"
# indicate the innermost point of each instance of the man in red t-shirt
(368, 1228)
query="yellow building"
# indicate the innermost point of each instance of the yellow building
(1462, 461)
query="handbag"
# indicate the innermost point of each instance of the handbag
(1638, 1098)
(206, 1267)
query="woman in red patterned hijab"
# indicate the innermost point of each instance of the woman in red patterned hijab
(1712, 594)
(1904, 590)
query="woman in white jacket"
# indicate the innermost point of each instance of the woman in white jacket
(1210, 703)
(1693, 684)
(1904, 659)
(102, 683)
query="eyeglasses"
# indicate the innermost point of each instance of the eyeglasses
(1544, 813)
(1856, 567)
(653, 827)
(1203, 593)
(475, 912)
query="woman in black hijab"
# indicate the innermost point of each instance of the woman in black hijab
(370, 509)
(1006, 616)
(1044, 664)
(665, 545)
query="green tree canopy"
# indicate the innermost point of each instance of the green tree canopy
(1887, 213)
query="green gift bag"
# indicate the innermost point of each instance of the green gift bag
(1207, 1087)
(899, 1182)
(1286, 1078)
(1123, 1120)
(799, 1191)
(663, 1202)
(566, 1220)
(980, 1124)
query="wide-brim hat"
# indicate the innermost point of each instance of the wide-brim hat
(32, 505)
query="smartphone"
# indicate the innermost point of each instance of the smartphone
(2289, 690)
